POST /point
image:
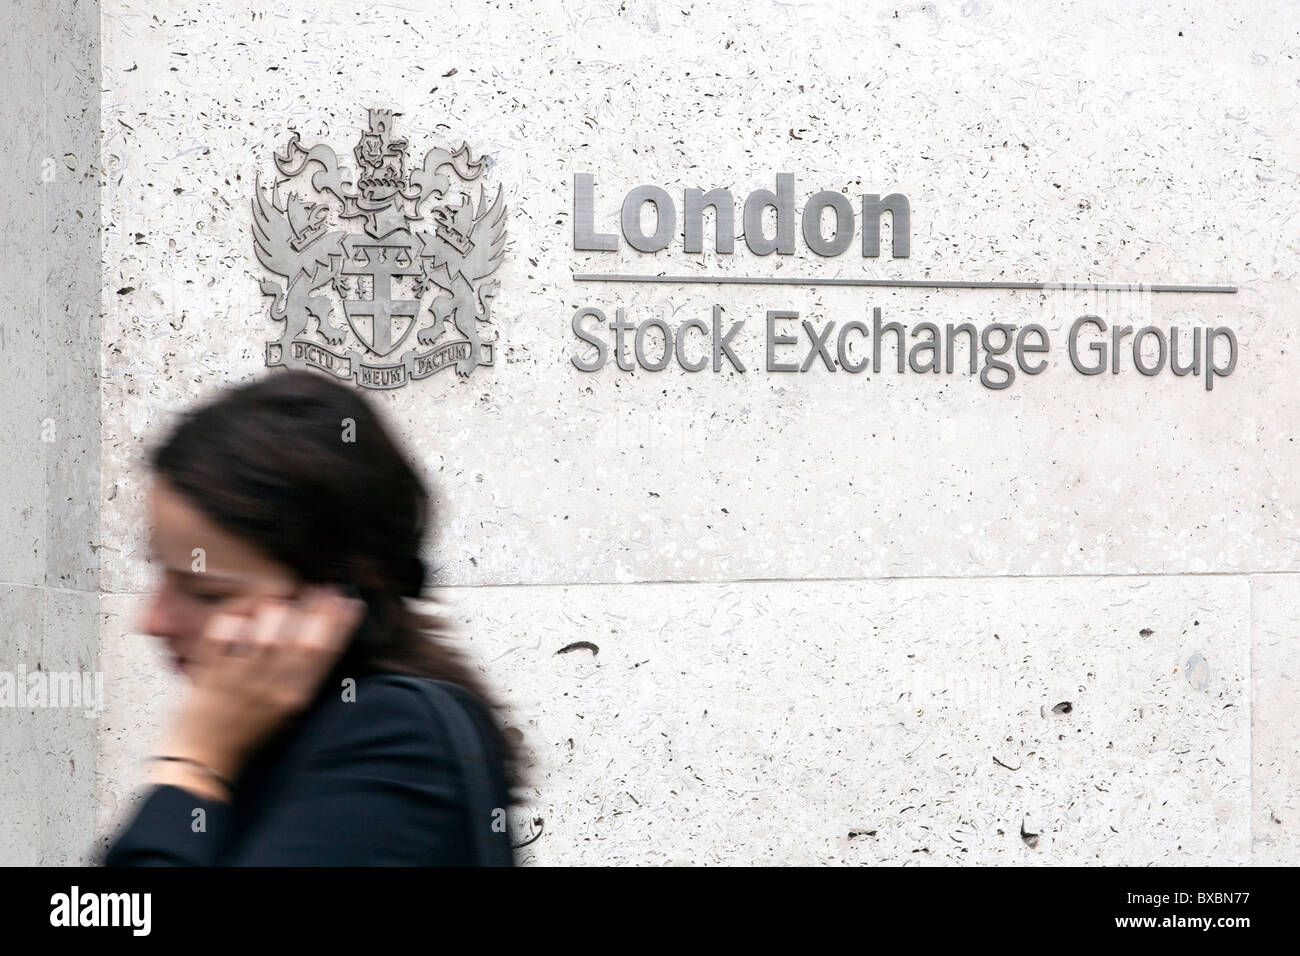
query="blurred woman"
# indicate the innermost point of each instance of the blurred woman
(326, 721)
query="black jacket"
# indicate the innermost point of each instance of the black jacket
(372, 782)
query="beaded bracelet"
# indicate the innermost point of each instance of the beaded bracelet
(202, 766)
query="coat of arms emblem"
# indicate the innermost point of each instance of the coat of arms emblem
(368, 282)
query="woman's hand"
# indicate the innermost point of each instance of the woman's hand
(251, 673)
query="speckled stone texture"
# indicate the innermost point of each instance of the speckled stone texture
(1094, 143)
(1068, 720)
(917, 721)
(876, 618)
(1275, 744)
(50, 426)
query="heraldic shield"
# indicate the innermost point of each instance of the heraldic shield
(384, 260)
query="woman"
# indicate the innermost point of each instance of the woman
(288, 528)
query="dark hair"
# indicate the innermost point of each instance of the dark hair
(303, 467)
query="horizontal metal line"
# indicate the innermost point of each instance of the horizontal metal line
(899, 283)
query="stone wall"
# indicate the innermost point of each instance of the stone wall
(872, 617)
(49, 424)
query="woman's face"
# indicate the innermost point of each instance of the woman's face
(203, 569)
